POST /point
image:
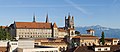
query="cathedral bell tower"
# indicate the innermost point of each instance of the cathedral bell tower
(69, 27)
(69, 23)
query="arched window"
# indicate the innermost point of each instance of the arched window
(89, 44)
(82, 45)
(60, 49)
(85, 44)
(63, 48)
(92, 33)
(72, 33)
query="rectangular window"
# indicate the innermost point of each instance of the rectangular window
(25, 35)
(105, 49)
(99, 49)
(19, 35)
(115, 41)
(28, 35)
(36, 43)
(14, 43)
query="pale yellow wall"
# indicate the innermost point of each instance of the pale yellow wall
(97, 41)
(108, 43)
(62, 34)
(92, 32)
(56, 45)
(33, 32)
(83, 41)
(112, 42)
(115, 43)
(72, 31)
(55, 32)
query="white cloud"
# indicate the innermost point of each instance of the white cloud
(76, 6)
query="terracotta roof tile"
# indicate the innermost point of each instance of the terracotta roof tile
(61, 30)
(54, 25)
(3, 49)
(110, 39)
(71, 29)
(113, 48)
(3, 27)
(32, 25)
(85, 36)
(90, 30)
(53, 43)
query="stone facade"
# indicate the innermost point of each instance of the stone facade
(58, 43)
(41, 29)
(85, 40)
(111, 41)
(30, 30)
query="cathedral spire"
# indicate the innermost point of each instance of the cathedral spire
(34, 18)
(47, 18)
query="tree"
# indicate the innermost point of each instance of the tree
(102, 38)
(1, 33)
(4, 35)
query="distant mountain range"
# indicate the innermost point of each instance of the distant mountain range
(109, 32)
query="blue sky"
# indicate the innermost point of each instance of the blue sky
(85, 12)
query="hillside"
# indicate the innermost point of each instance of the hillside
(109, 32)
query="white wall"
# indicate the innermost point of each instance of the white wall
(25, 43)
(13, 46)
(102, 48)
(115, 42)
(3, 43)
(62, 34)
(37, 49)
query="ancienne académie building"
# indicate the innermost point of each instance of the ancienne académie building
(45, 29)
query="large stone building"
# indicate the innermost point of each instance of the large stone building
(111, 41)
(41, 29)
(86, 39)
(59, 43)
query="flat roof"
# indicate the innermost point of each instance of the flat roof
(43, 46)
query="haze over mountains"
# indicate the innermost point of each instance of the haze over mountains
(109, 32)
